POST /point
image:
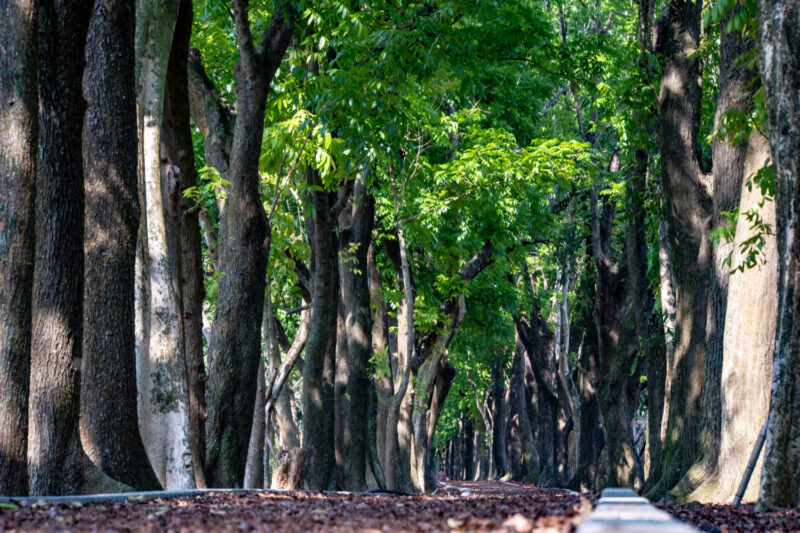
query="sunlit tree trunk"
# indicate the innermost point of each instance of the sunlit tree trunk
(161, 370)
(18, 114)
(183, 230)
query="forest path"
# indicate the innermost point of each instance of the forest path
(490, 506)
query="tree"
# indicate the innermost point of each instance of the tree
(56, 461)
(161, 368)
(19, 114)
(235, 345)
(183, 229)
(780, 74)
(108, 421)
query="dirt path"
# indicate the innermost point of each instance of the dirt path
(463, 506)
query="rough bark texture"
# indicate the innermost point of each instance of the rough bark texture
(617, 348)
(748, 346)
(161, 369)
(688, 206)
(186, 252)
(317, 398)
(290, 470)
(254, 468)
(55, 455)
(19, 114)
(235, 336)
(529, 461)
(780, 73)
(108, 424)
(353, 273)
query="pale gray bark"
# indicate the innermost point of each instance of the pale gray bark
(161, 372)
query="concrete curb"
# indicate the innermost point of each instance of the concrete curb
(127, 496)
(622, 510)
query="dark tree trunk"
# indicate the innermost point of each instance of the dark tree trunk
(500, 417)
(617, 347)
(779, 42)
(108, 418)
(177, 152)
(18, 113)
(340, 402)
(529, 456)
(688, 212)
(445, 375)
(55, 455)
(353, 273)
(235, 345)
(318, 413)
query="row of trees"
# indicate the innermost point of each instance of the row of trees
(488, 237)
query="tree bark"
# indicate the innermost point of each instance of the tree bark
(317, 398)
(161, 370)
(353, 273)
(254, 468)
(734, 162)
(235, 346)
(529, 461)
(617, 347)
(186, 249)
(779, 43)
(108, 421)
(19, 114)
(688, 206)
(55, 455)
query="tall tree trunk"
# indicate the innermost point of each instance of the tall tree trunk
(178, 152)
(529, 462)
(500, 418)
(161, 370)
(108, 424)
(19, 114)
(353, 272)
(254, 468)
(56, 462)
(617, 347)
(55, 455)
(688, 206)
(734, 162)
(780, 73)
(235, 346)
(317, 398)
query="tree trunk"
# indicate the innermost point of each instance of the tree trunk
(353, 271)
(317, 398)
(161, 370)
(178, 152)
(235, 346)
(254, 468)
(734, 162)
(19, 114)
(529, 462)
(55, 455)
(688, 206)
(108, 425)
(780, 73)
(617, 347)
(500, 418)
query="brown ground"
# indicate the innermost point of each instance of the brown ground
(716, 518)
(490, 506)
